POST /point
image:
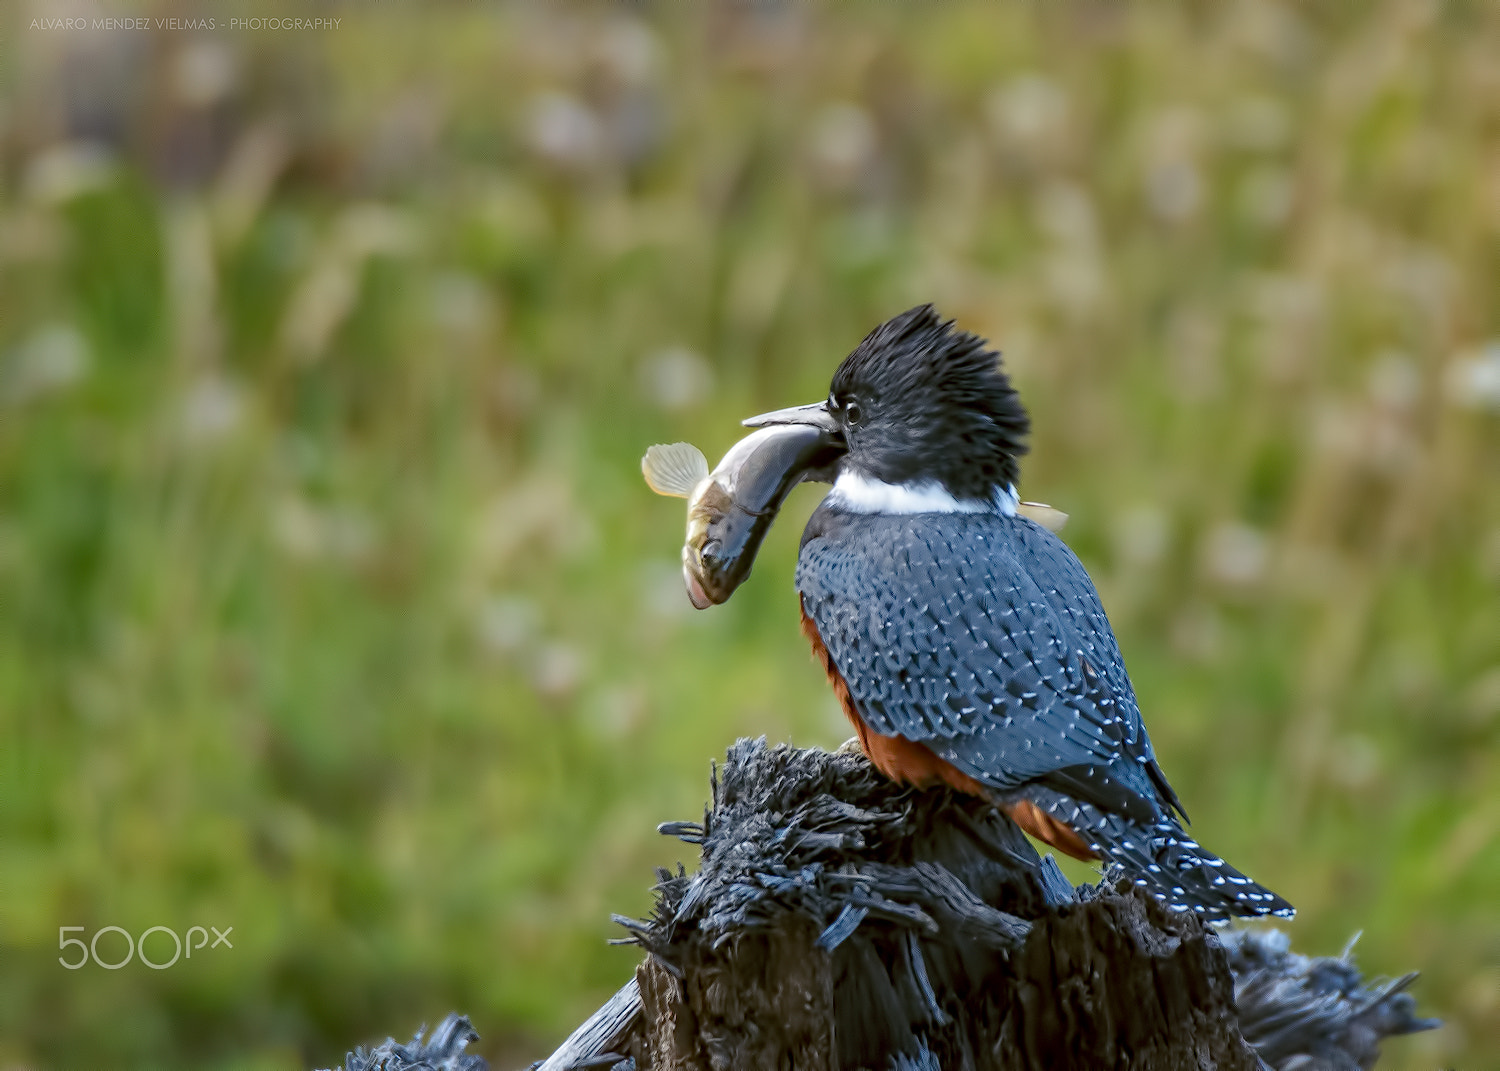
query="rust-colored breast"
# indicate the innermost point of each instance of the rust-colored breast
(903, 761)
(909, 762)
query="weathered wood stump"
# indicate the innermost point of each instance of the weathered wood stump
(837, 922)
(840, 922)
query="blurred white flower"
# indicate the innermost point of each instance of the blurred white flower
(675, 378)
(507, 624)
(841, 142)
(618, 710)
(1482, 698)
(1473, 378)
(461, 305)
(1235, 555)
(1066, 213)
(212, 407)
(1174, 185)
(296, 528)
(68, 170)
(204, 72)
(628, 50)
(1274, 297)
(1027, 108)
(564, 131)
(1174, 190)
(556, 670)
(310, 532)
(51, 359)
(1074, 270)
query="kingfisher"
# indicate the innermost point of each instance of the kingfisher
(965, 642)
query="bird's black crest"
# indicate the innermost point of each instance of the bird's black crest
(937, 405)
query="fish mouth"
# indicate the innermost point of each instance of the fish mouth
(729, 517)
(696, 595)
(815, 415)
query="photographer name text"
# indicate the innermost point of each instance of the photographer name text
(176, 24)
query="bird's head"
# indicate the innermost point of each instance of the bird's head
(927, 416)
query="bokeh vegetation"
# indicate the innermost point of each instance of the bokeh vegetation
(333, 607)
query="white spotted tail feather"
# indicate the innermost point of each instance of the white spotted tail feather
(1166, 862)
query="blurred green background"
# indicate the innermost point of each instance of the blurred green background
(333, 607)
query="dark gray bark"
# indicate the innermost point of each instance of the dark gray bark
(840, 922)
(837, 922)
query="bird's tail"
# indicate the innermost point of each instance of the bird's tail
(1165, 861)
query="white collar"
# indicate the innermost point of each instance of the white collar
(862, 494)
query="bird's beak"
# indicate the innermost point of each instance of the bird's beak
(815, 415)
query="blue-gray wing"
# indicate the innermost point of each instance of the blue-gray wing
(982, 637)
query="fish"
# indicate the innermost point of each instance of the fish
(730, 510)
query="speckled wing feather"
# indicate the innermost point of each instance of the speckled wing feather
(981, 636)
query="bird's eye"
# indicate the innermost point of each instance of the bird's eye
(851, 413)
